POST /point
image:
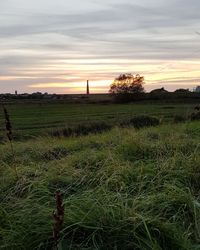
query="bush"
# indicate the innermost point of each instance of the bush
(141, 121)
(82, 129)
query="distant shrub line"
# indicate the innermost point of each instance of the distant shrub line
(81, 129)
(137, 122)
(161, 96)
(98, 127)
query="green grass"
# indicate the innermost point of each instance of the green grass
(35, 119)
(123, 189)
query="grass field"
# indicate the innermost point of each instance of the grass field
(36, 119)
(122, 189)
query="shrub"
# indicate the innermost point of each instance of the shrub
(141, 121)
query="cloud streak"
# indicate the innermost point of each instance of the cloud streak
(68, 42)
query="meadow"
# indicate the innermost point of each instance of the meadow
(36, 119)
(125, 188)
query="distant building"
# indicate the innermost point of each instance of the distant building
(15, 92)
(88, 88)
(182, 91)
(158, 91)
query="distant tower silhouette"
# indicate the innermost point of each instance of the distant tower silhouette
(88, 88)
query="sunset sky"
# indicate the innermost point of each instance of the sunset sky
(56, 45)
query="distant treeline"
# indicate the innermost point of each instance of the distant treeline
(38, 96)
(181, 95)
(159, 95)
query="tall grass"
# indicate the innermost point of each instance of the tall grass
(122, 189)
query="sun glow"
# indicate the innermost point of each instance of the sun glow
(171, 74)
(96, 86)
(70, 76)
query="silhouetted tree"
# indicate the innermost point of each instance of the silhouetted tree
(127, 84)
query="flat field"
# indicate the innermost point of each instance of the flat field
(36, 119)
(122, 189)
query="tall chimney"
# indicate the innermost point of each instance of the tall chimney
(88, 88)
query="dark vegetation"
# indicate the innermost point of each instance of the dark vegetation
(158, 95)
(82, 129)
(85, 129)
(137, 122)
(141, 122)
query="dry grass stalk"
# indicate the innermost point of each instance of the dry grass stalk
(58, 216)
(8, 125)
(9, 134)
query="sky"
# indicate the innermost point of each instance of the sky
(54, 46)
